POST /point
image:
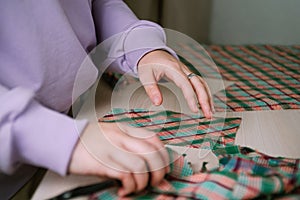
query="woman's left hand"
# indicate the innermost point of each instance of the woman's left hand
(157, 64)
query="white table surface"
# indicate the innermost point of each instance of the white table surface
(272, 132)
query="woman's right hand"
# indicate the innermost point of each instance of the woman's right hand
(135, 156)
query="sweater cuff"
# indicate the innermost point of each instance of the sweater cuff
(46, 138)
(141, 40)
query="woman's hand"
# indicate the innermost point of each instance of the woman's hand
(157, 64)
(135, 156)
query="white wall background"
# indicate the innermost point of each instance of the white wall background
(227, 21)
(255, 21)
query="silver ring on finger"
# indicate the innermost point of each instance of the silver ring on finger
(191, 75)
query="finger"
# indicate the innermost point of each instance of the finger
(107, 167)
(157, 167)
(127, 180)
(149, 82)
(212, 107)
(154, 93)
(121, 164)
(152, 139)
(186, 70)
(154, 158)
(162, 150)
(137, 167)
(180, 79)
(203, 96)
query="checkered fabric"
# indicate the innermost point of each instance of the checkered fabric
(265, 77)
(180, 129)
(242, 172)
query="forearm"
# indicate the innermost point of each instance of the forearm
(32, 134)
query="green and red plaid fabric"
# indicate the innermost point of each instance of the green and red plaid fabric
(266, 77)
(242, 172)
(180, 129)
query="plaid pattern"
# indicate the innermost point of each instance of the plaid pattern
(242, 173)
(266, 77)
(180, 129)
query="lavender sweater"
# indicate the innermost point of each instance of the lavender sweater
(42, 45)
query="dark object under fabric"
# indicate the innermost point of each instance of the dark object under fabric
(85, 190)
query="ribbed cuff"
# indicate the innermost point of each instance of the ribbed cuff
(142, 40)
(46, 138)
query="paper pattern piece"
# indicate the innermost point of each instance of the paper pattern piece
(266, 77)
(242, 172)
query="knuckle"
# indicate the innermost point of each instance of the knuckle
(157, 177)
(124, 176)
(139, 166)
(147, 147)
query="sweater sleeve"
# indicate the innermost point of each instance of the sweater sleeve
(33, 134)
(135, 37)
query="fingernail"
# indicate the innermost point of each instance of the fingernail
(213, 109)
(210, 114)
(156, 100)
